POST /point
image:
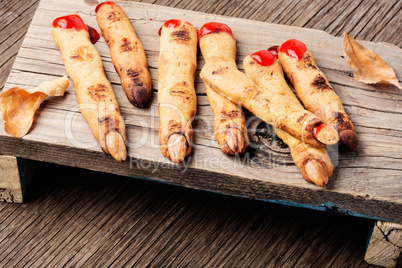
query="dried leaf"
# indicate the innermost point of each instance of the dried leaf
(366, 65)
(18, 106)
(52, 88)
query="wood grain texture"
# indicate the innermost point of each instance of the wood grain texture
(16, 17)
(385, 245)
(82, 218)
(10, 184)
(367, 181)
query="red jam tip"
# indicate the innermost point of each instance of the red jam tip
(293, 48)
(70, 22)
(124, 39)
(317, 129)
(274, 50)
(172, 24)
(214, 27)
(93, 34)
(107, 3)
(263, 57)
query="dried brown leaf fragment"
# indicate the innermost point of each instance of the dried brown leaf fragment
(367, 66)
(18, 106)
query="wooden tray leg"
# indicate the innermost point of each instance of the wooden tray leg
(385, 245)
(15, 177)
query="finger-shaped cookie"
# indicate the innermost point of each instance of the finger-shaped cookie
(216, 39)
(93, 91)
(177, 101)
(265, 70)
(229, 123)
(314, 90)
(277, 110)
(314, 163)
(126, 51)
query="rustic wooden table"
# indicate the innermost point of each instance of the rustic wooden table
(77, 217)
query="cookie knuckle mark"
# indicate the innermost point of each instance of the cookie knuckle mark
(320, 84)
(112, 16)
(341, 121)
(98, 92)
(125, 47)
(181, 36)
(108, 123)
(302, 117)
(230, 115)
(181, 90)
(80, 54)
(220, 71)
(174, 126)
(135, 77)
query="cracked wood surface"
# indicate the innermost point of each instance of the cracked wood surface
(224, 231)
(385, 244)
(10, 184)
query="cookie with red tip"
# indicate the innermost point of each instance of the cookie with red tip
(293, 48)
(214, 27)
(263, 57)
(70, 22)
(110, 3)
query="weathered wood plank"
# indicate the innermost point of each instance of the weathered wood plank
(123, 237)
(15, 18)
(44, 247)
(37, 234)
(60, 134)
(15, 178)
(15, 21)
(161, 225)
(207, 221)
(74, 242)
(10, 184)
(83, 218)
(33, 229)
(95, 235)
(385, 245)
(147, 237)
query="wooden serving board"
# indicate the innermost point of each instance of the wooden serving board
(365, 183)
